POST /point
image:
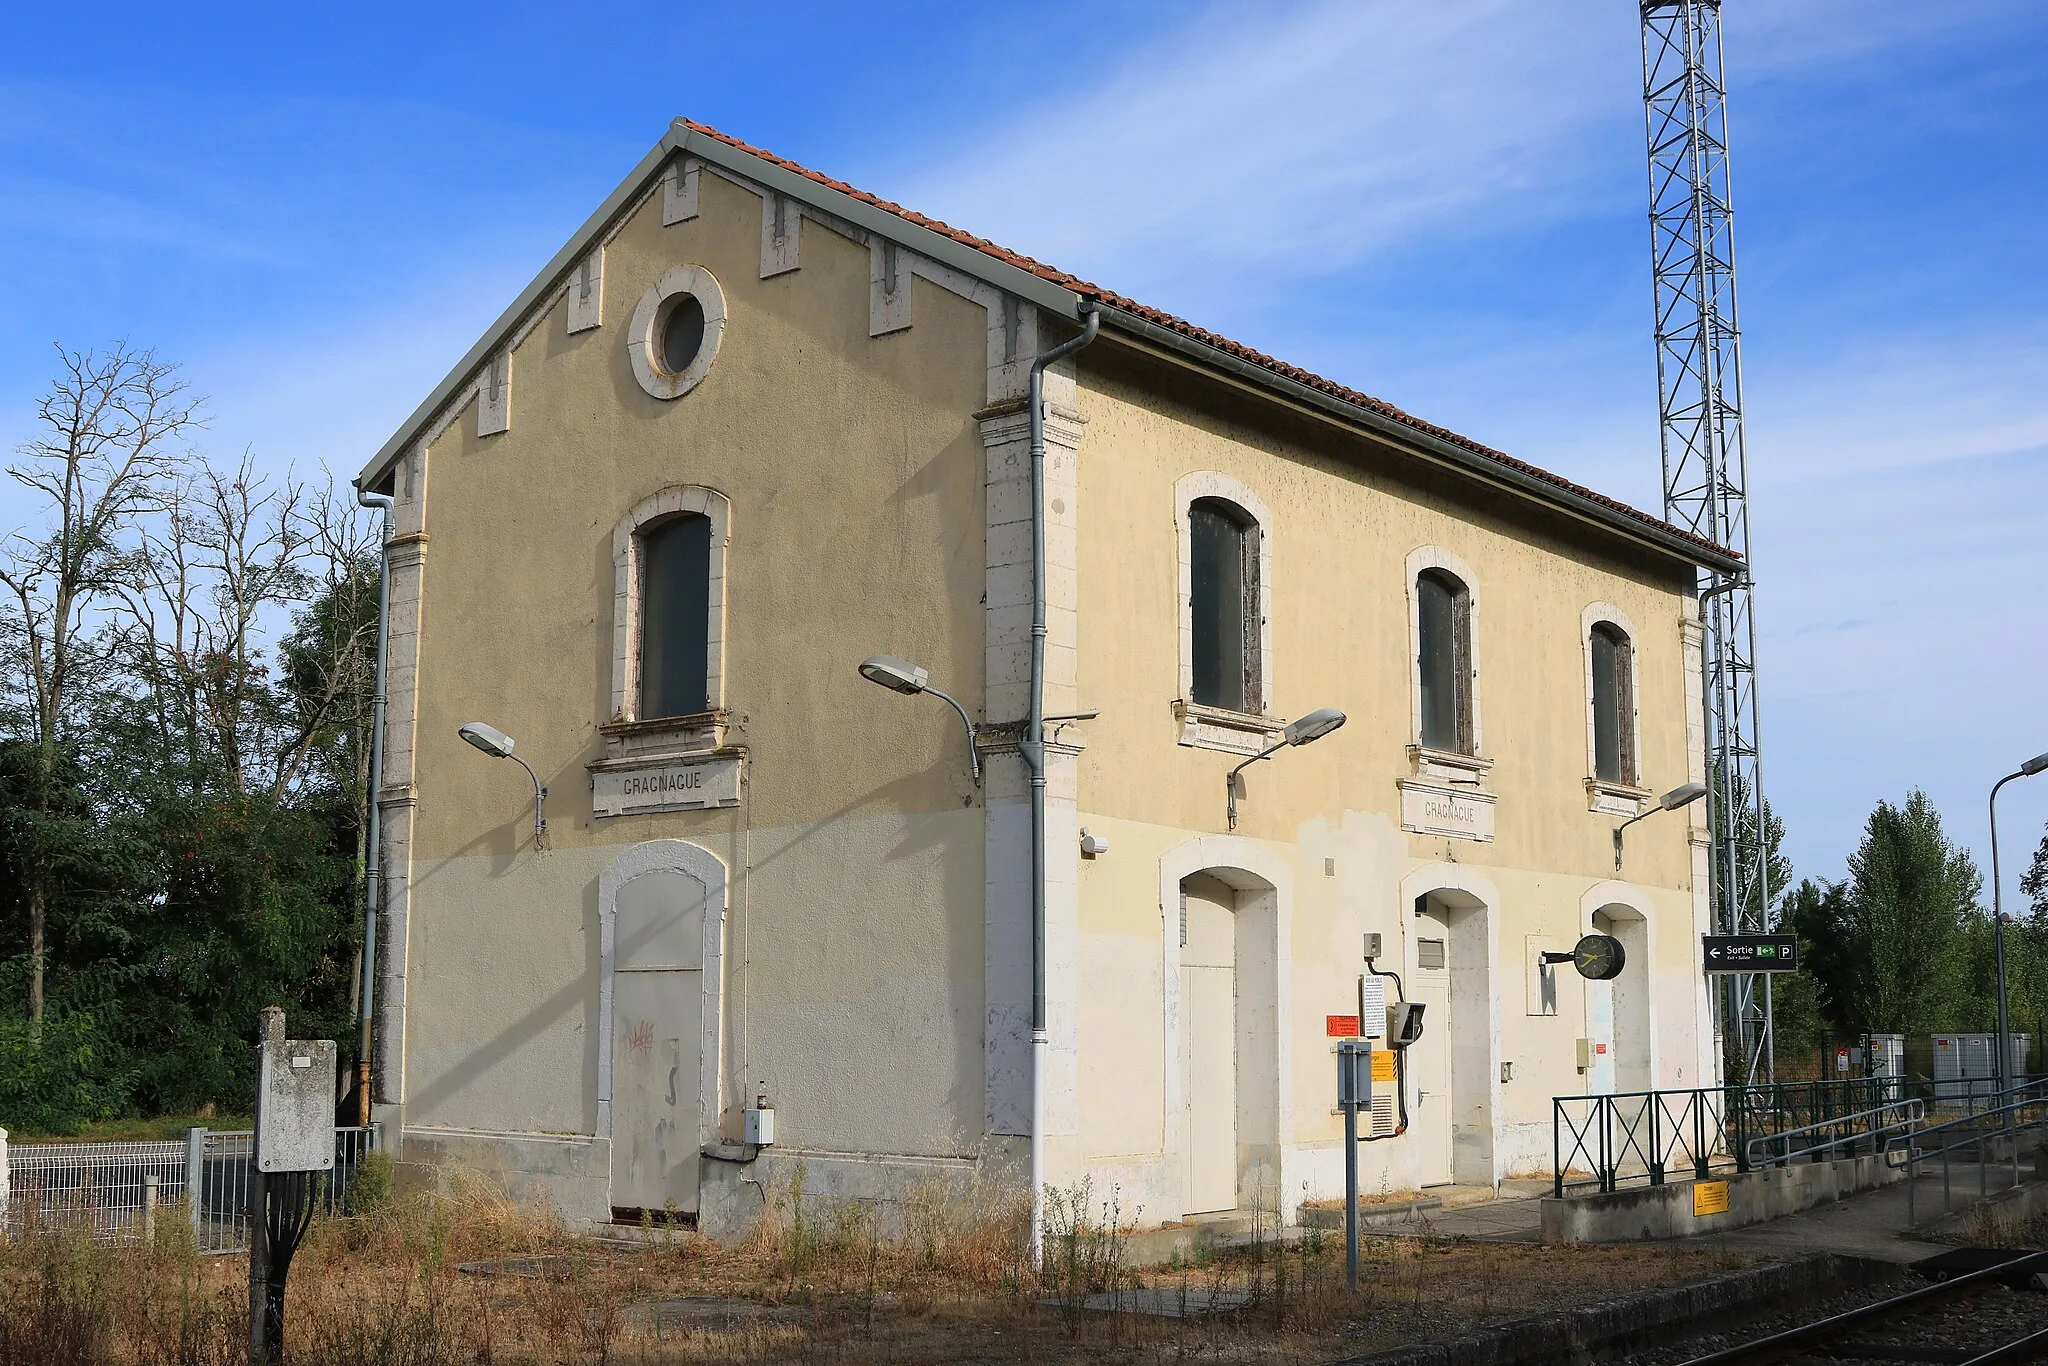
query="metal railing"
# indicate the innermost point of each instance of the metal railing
(1871, 1130)
(112, 1191)
(2017, 1109)
(1607, 1142)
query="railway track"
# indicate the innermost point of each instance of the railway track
(1976, 1319)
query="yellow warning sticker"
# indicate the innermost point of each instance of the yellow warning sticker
(1709, 1197)
(1382, 1064)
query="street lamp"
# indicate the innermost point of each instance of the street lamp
(498, 745)
(2025, 770)
(900, 675)
(1301, 731)
(1670, 801)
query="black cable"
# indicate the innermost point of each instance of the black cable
(288, 1200)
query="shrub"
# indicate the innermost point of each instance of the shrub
(370, 1188)
(47, 1084)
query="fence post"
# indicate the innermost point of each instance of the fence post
(195, 1182)
(4, 1206)
(1656, 1144)
(1740, 1106)
(1556, 1150)
(150, 1182)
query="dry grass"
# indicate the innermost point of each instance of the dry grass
(466, 1277)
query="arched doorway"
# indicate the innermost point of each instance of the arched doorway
(1225, 968)
(1618, 1012)
(1453, 1071)
(660, 908)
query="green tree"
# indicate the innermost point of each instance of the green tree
(1910, 908)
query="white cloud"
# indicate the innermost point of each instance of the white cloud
(1897, 402)
(1299, 143)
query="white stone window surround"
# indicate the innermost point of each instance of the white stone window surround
(707, 869)
(1211, 727)
(643, 342)
(1426, 759)
(1623, 798)
(676, 500)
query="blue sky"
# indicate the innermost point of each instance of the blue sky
(316, 213)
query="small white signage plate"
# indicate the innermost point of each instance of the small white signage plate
(1427, 809)
(666, 785)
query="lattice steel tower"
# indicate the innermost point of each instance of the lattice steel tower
(1699, 385)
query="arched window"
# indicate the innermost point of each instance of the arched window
(1614, 704)
(1444, 660)
(1224, 605)
(675, 617)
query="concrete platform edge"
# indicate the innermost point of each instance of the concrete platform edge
(1666, 1211)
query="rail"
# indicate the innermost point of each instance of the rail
(1607, 1142)
(2023, 1108)
(1852, 1131)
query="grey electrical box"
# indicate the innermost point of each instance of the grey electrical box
(294, 1101)
(1372, 946)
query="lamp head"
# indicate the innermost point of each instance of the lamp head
(1682, 796)
(2034, 765)
(897, 675)
(487, 738)
(1318, 723)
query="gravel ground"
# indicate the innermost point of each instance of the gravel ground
(1956, 1330)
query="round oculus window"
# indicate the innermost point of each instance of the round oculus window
(681, 332)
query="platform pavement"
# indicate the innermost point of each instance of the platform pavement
(1866, 1225)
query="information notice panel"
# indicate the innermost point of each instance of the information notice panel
(1751, 952)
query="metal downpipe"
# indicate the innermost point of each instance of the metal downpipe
(1033, 749)
(373, 865)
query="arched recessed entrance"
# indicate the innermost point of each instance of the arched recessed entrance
(1618, 1011)
(1452, 1067)
(1224, 946)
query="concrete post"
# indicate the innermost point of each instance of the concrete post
(270, 1032)
(150, 1182)
(195, 1181)
(3, 1183)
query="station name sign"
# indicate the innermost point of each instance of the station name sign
(679, 785)
(1751, 952)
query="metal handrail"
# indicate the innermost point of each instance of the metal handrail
(1980, 1136)
(1915, 1111)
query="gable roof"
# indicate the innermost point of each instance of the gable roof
(1058, 292)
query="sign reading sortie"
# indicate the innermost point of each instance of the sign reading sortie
(681, 785)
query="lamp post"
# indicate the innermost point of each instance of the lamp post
(900, 675)
(1301, 731)
(498, 745)
(1670, 801)
(2025, 770)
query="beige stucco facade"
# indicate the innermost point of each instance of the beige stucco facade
(865, 905)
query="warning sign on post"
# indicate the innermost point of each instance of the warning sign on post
(1340, 1026)
(1709, 1197)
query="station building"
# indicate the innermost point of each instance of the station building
(751, 427)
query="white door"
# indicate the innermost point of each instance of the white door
(657, 1014)
(1628, 1050)
(1429, 1058)
(1600, 1038)
(1208, 1014)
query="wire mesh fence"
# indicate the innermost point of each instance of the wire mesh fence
(112, 1191)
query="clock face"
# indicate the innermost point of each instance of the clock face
(1598, 957)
